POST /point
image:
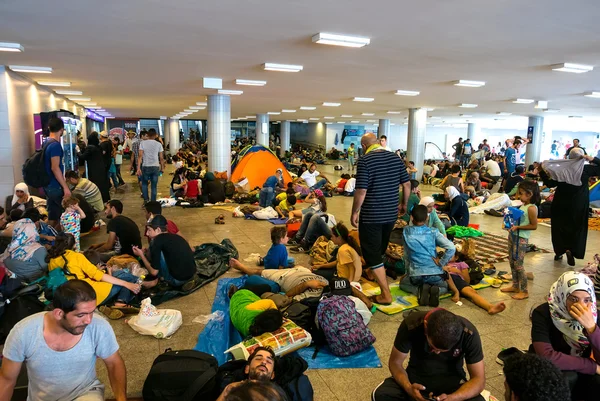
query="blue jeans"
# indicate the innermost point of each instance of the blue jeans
(320, 184)
(113, 176)
(118, 293)
(266, 196)
(315, 226)
(150, 174)
(410, 284)
(54, 197)
(163, 271)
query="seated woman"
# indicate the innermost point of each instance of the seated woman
(347, 262)
(251, 315)
(212, 189)
(413, 199)
(21, 198)
(316, 199)
(119, 288)
(25, 256)
(459, 211)
(179, 182)
(565, 331)
(433, 219)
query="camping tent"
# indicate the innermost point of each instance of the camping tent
(257, 163)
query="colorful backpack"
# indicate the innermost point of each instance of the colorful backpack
(344, 329)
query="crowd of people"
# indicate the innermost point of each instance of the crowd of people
(430, 348)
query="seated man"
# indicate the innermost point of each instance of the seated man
(123, 233)
(424, 267)
(154, 208)
(60, 349)
(439, 342)
(528, 377)
(171, 256)
(313, 226)
(86, 188)
(267, 193)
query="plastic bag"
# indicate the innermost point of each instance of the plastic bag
(204, 319)
(252, 258)
(512, 216)
(159, 323)
(266, 213)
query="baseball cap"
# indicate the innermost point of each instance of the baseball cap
(157, 221)
(104, 134)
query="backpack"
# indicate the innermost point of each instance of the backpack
(299, 314)
(182, 376)
(23, 304)
(344, 329)
(54, 279)
(34, 169)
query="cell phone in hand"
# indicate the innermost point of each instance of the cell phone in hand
(425, 395)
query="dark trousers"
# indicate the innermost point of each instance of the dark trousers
(389, 390)
(583, 387)
(374, 239)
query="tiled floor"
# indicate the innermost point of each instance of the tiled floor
(511, 328)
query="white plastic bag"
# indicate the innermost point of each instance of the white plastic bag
(159, 323)
(237, 212)
(266, 213)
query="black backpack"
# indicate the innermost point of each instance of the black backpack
(299, 314)
(34, 169)
(182, 376)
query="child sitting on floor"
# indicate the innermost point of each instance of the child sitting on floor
(70, 220)
(285, 206)
(347, 263)
(458, 282)
(277, 256)
(193, 188)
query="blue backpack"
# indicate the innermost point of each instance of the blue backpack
(342, 325)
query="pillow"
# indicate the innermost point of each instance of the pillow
(288, 338)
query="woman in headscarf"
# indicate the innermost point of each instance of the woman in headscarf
(21, 198)
(458, 210)
(569, 211)
(213, 189)
(25, 256)
(565, 331)
(96, 172)
(432, 218)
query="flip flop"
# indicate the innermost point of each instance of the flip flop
(112, 314)
(127, 309)
(497, 283)
(490, 272)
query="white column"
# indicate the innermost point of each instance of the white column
(534, 148)
(472, 132)
(384, 128)
(415, 149)
(173, 135)
(284, 136)
(262, 129)
(166, 133)
(219, 133)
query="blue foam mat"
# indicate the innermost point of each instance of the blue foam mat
(219, 336)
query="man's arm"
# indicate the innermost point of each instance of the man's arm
(471, 388)
(161, 157)
(108, 245)
(55, 167)
(9, 372)
(117, 375)
(300, 288)
(445, 243)
(137, 251)
(139, 161)
(359, 198)
(399, 374)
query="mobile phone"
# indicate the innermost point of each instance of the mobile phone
(425, 395)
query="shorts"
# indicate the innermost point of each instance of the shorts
(54, 197)
(459, 282)
(308, 210)
(374, 239)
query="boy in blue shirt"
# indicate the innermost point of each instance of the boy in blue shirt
(277, 256)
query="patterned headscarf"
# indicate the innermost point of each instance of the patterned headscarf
(25, 240)
(571, 329)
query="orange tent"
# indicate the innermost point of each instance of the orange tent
(257, 167)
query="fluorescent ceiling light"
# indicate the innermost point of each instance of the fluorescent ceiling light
(201, 103)
(197, 107)
(368, 114)
(341, 122)
(574, 68)
(551, 110)
(313, 119)
(66, 92)
(503, 113)
(363, 99)
(575, 117)
(52, 83)
(340, 40)
(250, 116)
(392, 124)
(541, 104)
(288, 111)
(346, 116)
(467, 105)
(100, 110)
(592, 94)
(282, 67)
(428, 109)
(371, 121)
(400, 92)
(250, 82)
(328, 122)
(80, 99)
(10, 47)
(331, 104)
(301, 120)
(523, 101)
(109, 117)
(230, 92)
(307, 108)
(190, 111)
(163, 117)
(26, 68)
(469, 84)
(435, 117)
(274, 113)
(328, 118)
(394, 112)
(465, 115)
(93, 107)
(88, 104)
(355, 122)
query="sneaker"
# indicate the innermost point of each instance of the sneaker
(260, 261)
(423, 294)
(293, 242)
(506, 353)
(493, 212)
(298, 249)
(434, 296)
(189, 285)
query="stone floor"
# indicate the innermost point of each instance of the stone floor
(511, 328)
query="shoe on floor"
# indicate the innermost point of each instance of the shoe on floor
(190, 284)
(493, 212)
(112, 314)
(506, 353)
(293, 242)
(434, 296)
(298, 249)
(570, 259)
(423, 294)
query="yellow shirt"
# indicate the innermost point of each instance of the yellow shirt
(285, 206)
(83, 270)
(348, 263)
(281, 196)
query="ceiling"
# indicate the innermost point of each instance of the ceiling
(147, 58)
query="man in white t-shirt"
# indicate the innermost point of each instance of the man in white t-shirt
(384, 143)
(350, 186)
(151, 164)
(60, 348)
(493, 172)
(310, 177)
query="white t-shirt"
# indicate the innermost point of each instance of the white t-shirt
(151, 150)
(178, 165)
(310, 178)
(119, 157)
(350, 185)
(427, 169)
(493, 168)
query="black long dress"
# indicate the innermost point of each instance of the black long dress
(96, 170)
(570, 208)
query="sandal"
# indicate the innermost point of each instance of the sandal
(127, 309)
(112, 314)
(220, 219)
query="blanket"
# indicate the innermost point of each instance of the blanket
(493, 248)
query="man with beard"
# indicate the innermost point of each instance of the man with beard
(60, 348)
(123, 233)
(260, 368)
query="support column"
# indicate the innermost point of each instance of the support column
(384, 129)
(166, 133)
(534, 133)
(472, 132)
(284, 136)
(415, 149)
(262, 129)
(173, 136)
(219, 133)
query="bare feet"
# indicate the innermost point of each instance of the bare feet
(379, 299)
(520, 295)
(455, 297)
(509, 288)
(234, 263)
(497, 308)
(150, 284)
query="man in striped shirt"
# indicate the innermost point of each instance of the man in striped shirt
(85, 188)
(379, 175)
